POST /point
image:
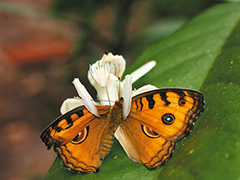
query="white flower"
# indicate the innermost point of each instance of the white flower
(70, 103)
(105, 75)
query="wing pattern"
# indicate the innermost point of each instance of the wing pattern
(158, 119)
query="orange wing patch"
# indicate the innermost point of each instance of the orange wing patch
(81, 139)
(53, 134)
(77, 138)
(158, 119)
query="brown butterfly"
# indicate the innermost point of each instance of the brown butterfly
(157, 120)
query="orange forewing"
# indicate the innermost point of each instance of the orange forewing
(67, 126)
(86, 156)
(158, 119)
(81, 139)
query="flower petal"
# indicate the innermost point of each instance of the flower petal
(117, 64)
(143, 89)
(85, 96)
(127, 95)
(142, 70)
(70, 104)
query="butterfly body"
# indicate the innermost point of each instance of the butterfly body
(157, 120)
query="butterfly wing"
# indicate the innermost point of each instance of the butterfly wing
(81, 139)
(158, 119)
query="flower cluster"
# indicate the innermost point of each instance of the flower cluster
(105, 76)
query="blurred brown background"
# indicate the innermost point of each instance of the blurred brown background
(45, 44)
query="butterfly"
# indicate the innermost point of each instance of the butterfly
(158, 119)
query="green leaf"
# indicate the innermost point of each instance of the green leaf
(153, 34)
(204, 55)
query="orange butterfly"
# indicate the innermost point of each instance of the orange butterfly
(157, 120)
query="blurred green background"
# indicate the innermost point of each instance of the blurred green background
(45, 44)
